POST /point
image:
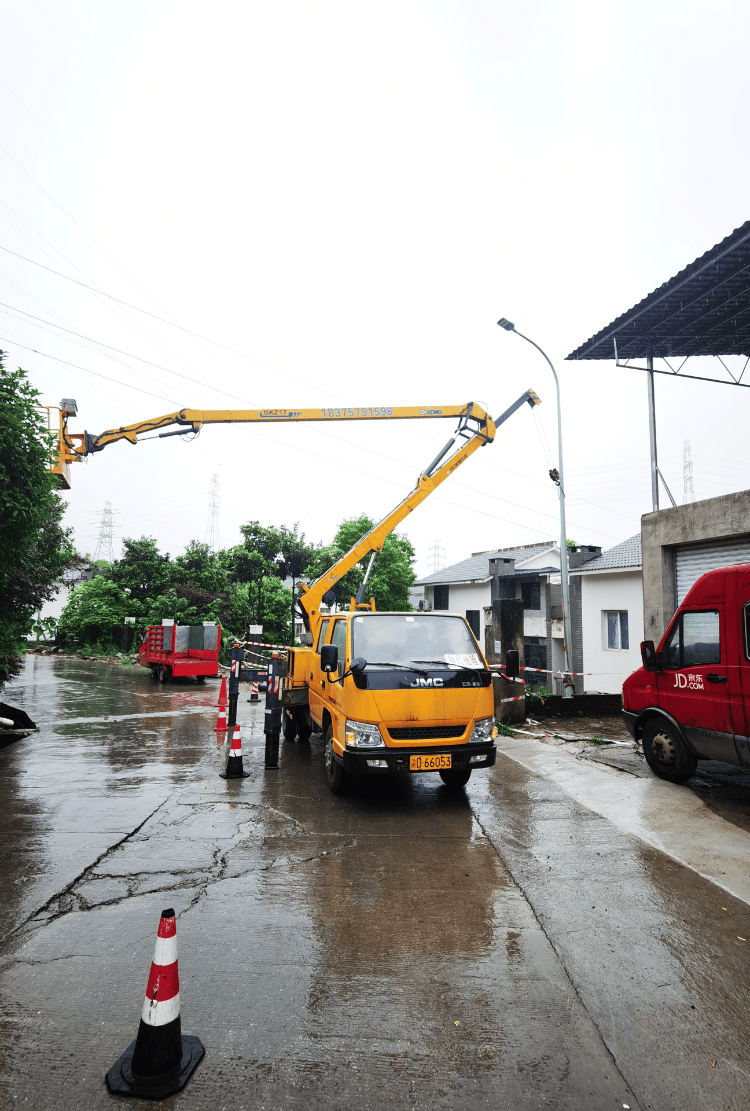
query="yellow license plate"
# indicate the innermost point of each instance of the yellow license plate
(429, 763)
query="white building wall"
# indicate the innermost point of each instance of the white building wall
(467, 596)
(620, 590)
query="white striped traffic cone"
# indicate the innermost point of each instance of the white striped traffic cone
(161, 1060)
(221, 724)
(254, 693)
(234, 760)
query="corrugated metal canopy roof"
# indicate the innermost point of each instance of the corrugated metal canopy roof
(703, 310)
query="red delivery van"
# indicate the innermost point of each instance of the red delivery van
(691, 699)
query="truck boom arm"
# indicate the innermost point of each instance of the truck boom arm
(435, 474)
(192, 420)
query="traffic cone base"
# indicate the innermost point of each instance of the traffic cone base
(161, 1060)
(234, 768)
(121, 1081)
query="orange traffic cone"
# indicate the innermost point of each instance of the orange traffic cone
(234, 760)
(162, 1059)
(221, 723)
(222, 703)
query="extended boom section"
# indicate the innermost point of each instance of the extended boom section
(475, 429)
(192, 420)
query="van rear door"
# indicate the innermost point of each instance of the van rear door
(693, 687)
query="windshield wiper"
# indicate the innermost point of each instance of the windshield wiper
(444, 663)
(405, 667)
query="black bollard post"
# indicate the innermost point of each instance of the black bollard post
(237, 655)
(272, 719)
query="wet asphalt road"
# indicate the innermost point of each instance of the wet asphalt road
(509, 947)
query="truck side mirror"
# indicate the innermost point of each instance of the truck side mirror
(649, 656)
(329, 658)
(512, 664)
(358, 665)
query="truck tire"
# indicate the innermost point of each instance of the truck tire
(200, 678)
(165, 673)
(304, 729)
(454, 780)
(338, 780)
(666, 753)
(154, 671)
(290, 725)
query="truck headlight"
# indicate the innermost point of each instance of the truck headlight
(484, 730)
(361, 735)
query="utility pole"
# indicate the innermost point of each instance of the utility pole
(104, 543)
(212, 525)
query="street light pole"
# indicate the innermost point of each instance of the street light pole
(568, 682)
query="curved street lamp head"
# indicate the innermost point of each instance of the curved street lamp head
(506, 324)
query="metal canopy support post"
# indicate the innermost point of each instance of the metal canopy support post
(652, 433)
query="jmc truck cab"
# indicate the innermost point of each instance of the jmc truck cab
(393, 693)
(691, 699)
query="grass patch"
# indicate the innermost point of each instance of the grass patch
(505, 730)
(596, 741)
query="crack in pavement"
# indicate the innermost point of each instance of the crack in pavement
(67, 890)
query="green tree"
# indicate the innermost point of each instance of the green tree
(95, 614)
(200, 567)
(34, 547)
(143, 570)
(393, 572)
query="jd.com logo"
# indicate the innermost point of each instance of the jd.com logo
(689, 682)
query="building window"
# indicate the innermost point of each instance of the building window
(531, 595)
(618, 638)
(472, 616)
(440, 597)
(535, 652)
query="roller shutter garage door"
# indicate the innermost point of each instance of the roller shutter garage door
(694, 560)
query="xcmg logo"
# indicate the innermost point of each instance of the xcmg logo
(427, 683)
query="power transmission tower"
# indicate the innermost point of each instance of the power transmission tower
(687, 468)
(212, 525)
(437, 555)
(104, 543)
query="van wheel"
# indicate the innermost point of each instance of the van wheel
(290, 725)
(200, 678)
(454, 780)
(666, 753)
(338, 780)
(154, 672)
(164, 673)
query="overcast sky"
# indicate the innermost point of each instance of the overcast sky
(341, 199)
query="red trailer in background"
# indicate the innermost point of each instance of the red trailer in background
(177, 650)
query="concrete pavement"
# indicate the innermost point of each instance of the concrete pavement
(509, 946)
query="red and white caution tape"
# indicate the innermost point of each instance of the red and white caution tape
(260, 644)
(560, 674)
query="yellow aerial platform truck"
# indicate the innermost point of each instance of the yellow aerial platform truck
(391, 693)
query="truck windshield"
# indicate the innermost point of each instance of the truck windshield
(399, 638)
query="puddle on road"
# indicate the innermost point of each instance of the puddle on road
(74, 788)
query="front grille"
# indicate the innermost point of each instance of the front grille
(428, 733)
